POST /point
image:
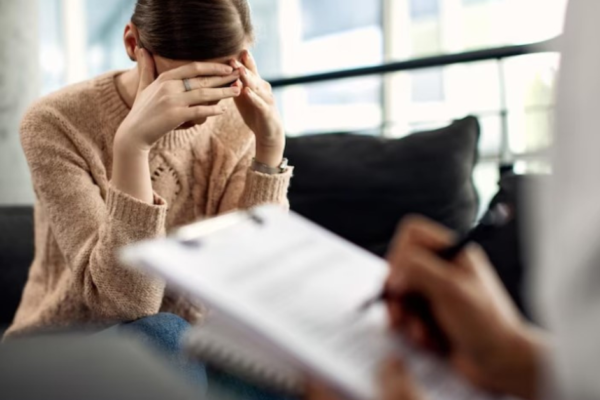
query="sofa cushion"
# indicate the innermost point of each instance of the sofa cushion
(360, 187)
(16, 254)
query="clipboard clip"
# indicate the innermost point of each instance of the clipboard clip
(192, 235)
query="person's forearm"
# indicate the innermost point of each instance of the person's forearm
(131, 172)
(523, 377)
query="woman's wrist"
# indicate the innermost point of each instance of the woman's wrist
(271, 156)
(124, 143)
(131, 171)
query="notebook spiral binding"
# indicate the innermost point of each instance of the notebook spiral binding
(212, 349)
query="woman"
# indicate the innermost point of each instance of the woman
(129, 155)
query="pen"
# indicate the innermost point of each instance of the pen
(495, 219)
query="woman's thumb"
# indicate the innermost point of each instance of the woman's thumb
(146, 69)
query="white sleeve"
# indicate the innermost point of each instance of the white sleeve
(567, 274)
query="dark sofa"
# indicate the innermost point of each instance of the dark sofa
(16, 254)
(359, 187)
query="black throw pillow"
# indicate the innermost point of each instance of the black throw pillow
(360, 187)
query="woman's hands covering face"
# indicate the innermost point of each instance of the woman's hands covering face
(163, 104)
(256, 104)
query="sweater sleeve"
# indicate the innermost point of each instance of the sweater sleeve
(247, 188)
(90, 224)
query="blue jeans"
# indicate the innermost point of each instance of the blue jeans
(164, 331)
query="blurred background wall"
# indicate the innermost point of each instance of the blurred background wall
(19, 86)
(513, 98)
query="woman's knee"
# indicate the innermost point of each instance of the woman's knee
(164, 329)
(163, 321)
(164, 333)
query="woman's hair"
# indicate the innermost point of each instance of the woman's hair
(195, 30)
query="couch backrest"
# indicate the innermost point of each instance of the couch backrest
(16, 254)
(360, 187)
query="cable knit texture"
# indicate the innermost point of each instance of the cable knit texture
(81, 220)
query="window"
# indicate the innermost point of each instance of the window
(521, 88)
(52, 57)
(424, 8)
(428, 85)
(329, 35)
(349, 15)
(304, 37)
(345, 105)
(106, 21)
(298, 37)
(471, 2)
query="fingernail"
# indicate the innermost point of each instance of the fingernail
(236, 90)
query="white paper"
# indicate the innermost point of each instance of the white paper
(298, 288)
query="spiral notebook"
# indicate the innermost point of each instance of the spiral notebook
(227, 348)
(285, 296)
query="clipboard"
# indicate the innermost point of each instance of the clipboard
(192, 235)
(282, 285)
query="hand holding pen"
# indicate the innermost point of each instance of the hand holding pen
(416, 305)
(490, 343)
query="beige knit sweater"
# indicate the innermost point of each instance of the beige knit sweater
(81, 220)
